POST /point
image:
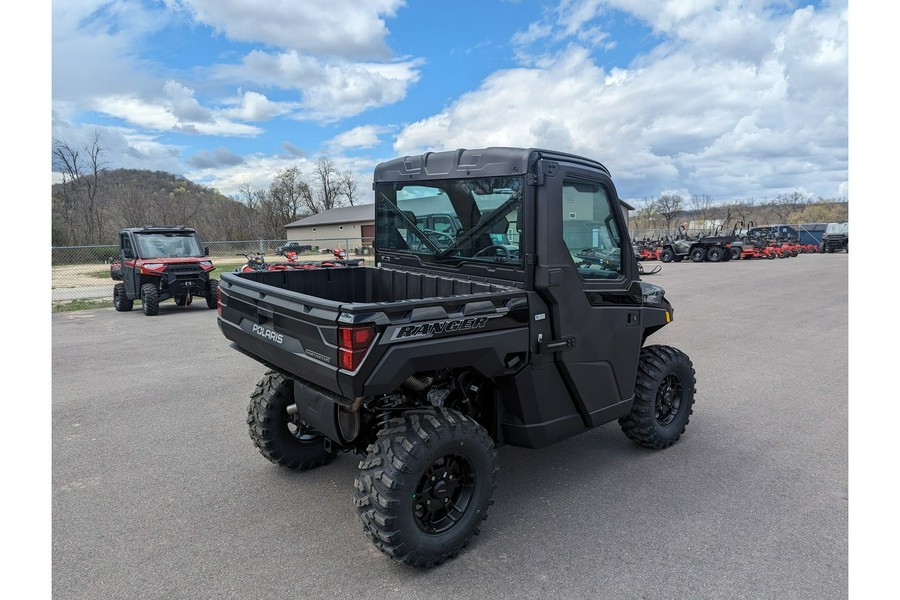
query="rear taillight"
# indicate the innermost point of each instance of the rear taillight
(353, 343)
(219, 300)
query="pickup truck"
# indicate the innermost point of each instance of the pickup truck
(439, 353)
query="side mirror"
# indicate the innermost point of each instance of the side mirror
(127, 253)
(205, 250)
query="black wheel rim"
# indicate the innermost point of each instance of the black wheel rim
(303, 433)
(668, 399)
(444, 494)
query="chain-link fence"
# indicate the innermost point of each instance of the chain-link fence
(82, 272)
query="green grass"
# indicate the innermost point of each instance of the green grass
(99, 274)
(73, 305)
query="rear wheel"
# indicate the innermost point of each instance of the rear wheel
(735, 254)
(212, 294)
(663, 398)
(425, 486)
(150, 299)
(282, 438)
(715, 254)
(120, 298)
(698, 254)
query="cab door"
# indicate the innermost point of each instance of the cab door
(587, 275)
(130, 275)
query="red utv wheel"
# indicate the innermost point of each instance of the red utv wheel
(120, 298)
(212, 294)
(150, 299)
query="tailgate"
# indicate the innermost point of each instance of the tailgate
(294, 332)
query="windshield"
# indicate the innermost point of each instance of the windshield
(168, 244)
(453, 220)
(836, 228)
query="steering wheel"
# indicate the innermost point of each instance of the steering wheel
(439, 237)
(483, 252)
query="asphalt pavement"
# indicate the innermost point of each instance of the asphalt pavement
(158, 492)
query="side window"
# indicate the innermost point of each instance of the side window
(590, 231)
(126, 246)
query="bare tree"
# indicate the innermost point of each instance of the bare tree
(785, 204)
(744, 210)
(66, 202)
(349, 187)
(702, 204)
(669, 207)
(287, 198)
(327, 183)
(79, 203)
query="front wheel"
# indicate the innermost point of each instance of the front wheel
(120, 298)
(425, 486)
(150, 299)
(663, 398)
(667, 255)
(212, 294)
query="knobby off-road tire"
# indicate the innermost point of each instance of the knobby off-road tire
(150, 299)
(212, 294)
(425, 486)
(735, 254)
(698, 254)
(715, 254)
(283, 439)
(663, 398)
(667, 255)
(120, 298)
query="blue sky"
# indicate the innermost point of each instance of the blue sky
(734, 99)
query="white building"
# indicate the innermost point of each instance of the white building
(346, 227)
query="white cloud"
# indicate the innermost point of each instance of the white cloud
(179, 111)
(253, 106)
(329, 90)
(347, 28)
(363, 137)
(700, 112)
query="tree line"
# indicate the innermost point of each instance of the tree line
(668, 212)
(92, 203)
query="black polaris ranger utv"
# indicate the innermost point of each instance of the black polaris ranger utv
(446, 349)
(157, 263)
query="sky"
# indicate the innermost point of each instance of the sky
(736, 100)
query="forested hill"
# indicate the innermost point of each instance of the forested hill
(91, 210)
